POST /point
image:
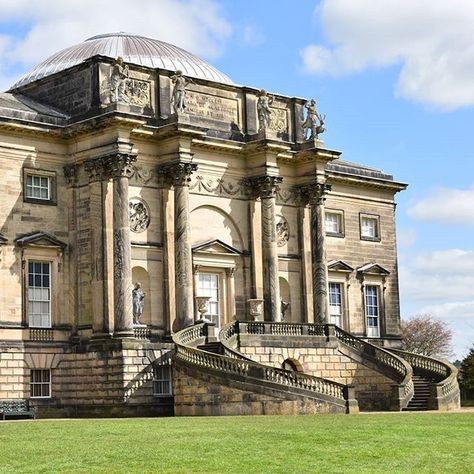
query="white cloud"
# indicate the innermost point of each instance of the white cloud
(406, 237)
(430, 39)
(441, 283)
(198, 26)
(441, 275)
(445, 205)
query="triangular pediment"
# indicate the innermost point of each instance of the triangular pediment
(3, 239)
(215, 246)
(373, 269)
(339, 266)
(40, 239)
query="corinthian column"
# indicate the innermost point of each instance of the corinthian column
(314, 195)
(265, 187)
(119, 167)
(179, 175)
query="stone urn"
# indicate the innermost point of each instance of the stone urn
(255, 309)
(202, 306)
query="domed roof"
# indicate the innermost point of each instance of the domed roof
(134, 49)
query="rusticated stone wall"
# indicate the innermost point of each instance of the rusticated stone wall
(108, 380)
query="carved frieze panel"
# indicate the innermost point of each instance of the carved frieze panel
(287, 195)
(139, 215)
(278, 120)
(218, 186)
(141, 175)
(212, 107)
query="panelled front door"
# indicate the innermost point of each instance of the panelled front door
(209, 286)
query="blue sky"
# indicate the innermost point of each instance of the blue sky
(394, 78)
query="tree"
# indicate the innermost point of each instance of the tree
(466, 375)
(426, 335)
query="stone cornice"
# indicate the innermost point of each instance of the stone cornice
(365, 181)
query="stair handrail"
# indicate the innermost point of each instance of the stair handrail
(227, 336)
(381, 357)
(448, 386)
(186, 351)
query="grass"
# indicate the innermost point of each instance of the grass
(438, 442)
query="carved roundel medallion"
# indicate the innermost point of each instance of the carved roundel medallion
(283, 231)
(139, 215)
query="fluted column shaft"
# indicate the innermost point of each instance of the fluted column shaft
(179, 176)
(265, 187)
(314, 195)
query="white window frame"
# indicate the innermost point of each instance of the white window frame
(373, 331)
(341, 294)
(340, 222)
(221, 291)
(162, 376)
(30, 188)
(32, 290)
(372, 218)
(40, 383)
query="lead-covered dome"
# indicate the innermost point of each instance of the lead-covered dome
(134, 49)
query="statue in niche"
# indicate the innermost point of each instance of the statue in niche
(263, 110)
(138, 302)
(282, 232)
(178, 99)
(311, 122)
(284, 307)
(117, 82)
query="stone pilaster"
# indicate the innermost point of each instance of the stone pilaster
(98, 174)
(314, 195)
(178, 175)
(71, 174)
(265, 187)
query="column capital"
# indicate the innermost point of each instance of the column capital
(71, 173)
(116, 165)
(177, 173)
(263, 186)
(313, 193)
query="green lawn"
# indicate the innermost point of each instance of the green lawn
(412, 443)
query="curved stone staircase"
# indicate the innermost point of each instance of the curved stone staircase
(435, 383)
(419, 382)
(193, 347)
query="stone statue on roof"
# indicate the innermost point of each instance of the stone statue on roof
(311, 124)
(263, 110)
(178, 98)
(117, 82)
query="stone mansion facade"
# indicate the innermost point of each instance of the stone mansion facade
(173, 243)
